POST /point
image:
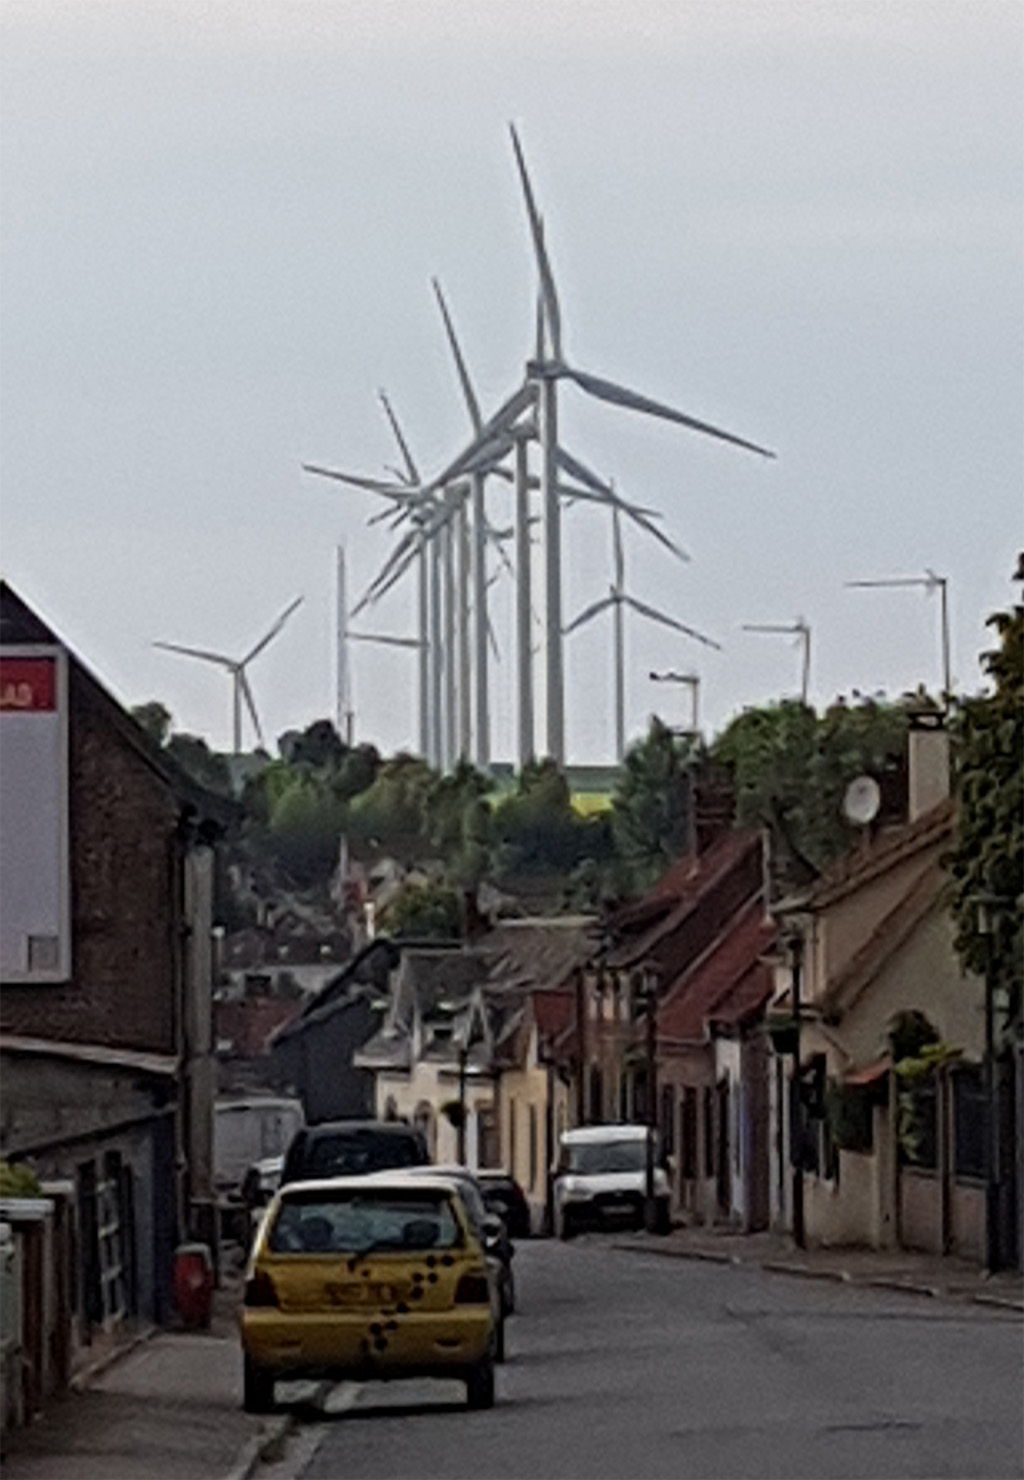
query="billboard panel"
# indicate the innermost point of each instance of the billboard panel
(35, 884)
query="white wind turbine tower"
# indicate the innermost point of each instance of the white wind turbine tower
(543, 375)
(618, 598)
(241, 692)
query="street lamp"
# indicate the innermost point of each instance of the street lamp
(460, 1129)
(692, 680)
(803, 632)
(985, 906)
(931, 582)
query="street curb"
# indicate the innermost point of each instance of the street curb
(263, 1447)
(836, 1276)
(1003, 1302)
(83, 1379)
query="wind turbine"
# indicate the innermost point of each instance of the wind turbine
(543, 374)
(241, 692)
(931, 583)
(803, 632)
(618, 598)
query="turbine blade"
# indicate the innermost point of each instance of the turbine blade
(502, 421)
(354, 480)
(176, 647)
(403, 446)
(607, 390)
(591, 611)
(656, 616)
(273, 631)
(547, 280)
(250, 704)
(385, 638)
(640, 516)
(469, 395)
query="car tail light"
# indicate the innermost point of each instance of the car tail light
(473, 1289)
(259, 1290)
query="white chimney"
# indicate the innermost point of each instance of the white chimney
(927, 761)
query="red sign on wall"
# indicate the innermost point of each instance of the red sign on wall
(28, 685)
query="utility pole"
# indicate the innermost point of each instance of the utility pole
(986, 922)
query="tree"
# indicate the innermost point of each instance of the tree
(987, 860)
(154, 718)
(206, 766)
(424, 911)
(651, 807)
(535, 828)
(304, 827)
(791, 769)
(318, 746)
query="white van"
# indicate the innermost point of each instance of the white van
(250, 1129)
(601, 1179)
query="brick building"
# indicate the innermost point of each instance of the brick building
(106, 1048)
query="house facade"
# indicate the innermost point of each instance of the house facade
(884, 1161)
(106, 1026)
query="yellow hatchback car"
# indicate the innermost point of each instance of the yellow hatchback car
(365, 1279)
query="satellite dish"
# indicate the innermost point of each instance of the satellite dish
(862, 800)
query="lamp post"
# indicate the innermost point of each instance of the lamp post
(460, 1129)
(796, 1105)
(985, 915)
(692, 682)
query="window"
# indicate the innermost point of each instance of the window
(110, 1234)
(709, 1131)
(667, 1119)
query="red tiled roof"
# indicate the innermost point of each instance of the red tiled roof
(677, 895)
(891, 847)
(727, 984)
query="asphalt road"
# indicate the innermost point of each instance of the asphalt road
(640, 1367)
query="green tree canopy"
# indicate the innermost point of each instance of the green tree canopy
(651, 807)
(424, 911)
(791, 769)
(987, 861)
(304, 826)
(154, 718)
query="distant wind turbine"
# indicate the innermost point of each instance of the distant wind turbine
(618, 598)
(241, 692)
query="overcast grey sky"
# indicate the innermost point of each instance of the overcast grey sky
(800, 219)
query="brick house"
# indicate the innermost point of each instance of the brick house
(106, 1048)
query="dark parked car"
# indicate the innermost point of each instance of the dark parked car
(504, 1196)
(352, 1148)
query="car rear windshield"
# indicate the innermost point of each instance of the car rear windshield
(591, 1158)
(353, 1153)
(351, 1222)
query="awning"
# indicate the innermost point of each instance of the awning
(869, 1074)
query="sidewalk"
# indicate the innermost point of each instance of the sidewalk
(168, 1407)
(895, 1269)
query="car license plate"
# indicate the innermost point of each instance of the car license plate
(365, 1292)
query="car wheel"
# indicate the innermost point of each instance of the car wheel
(258, 1389)
(566, 1227)
(663, 1217)
(480, 1384)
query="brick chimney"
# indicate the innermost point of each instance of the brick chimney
(927, 759)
